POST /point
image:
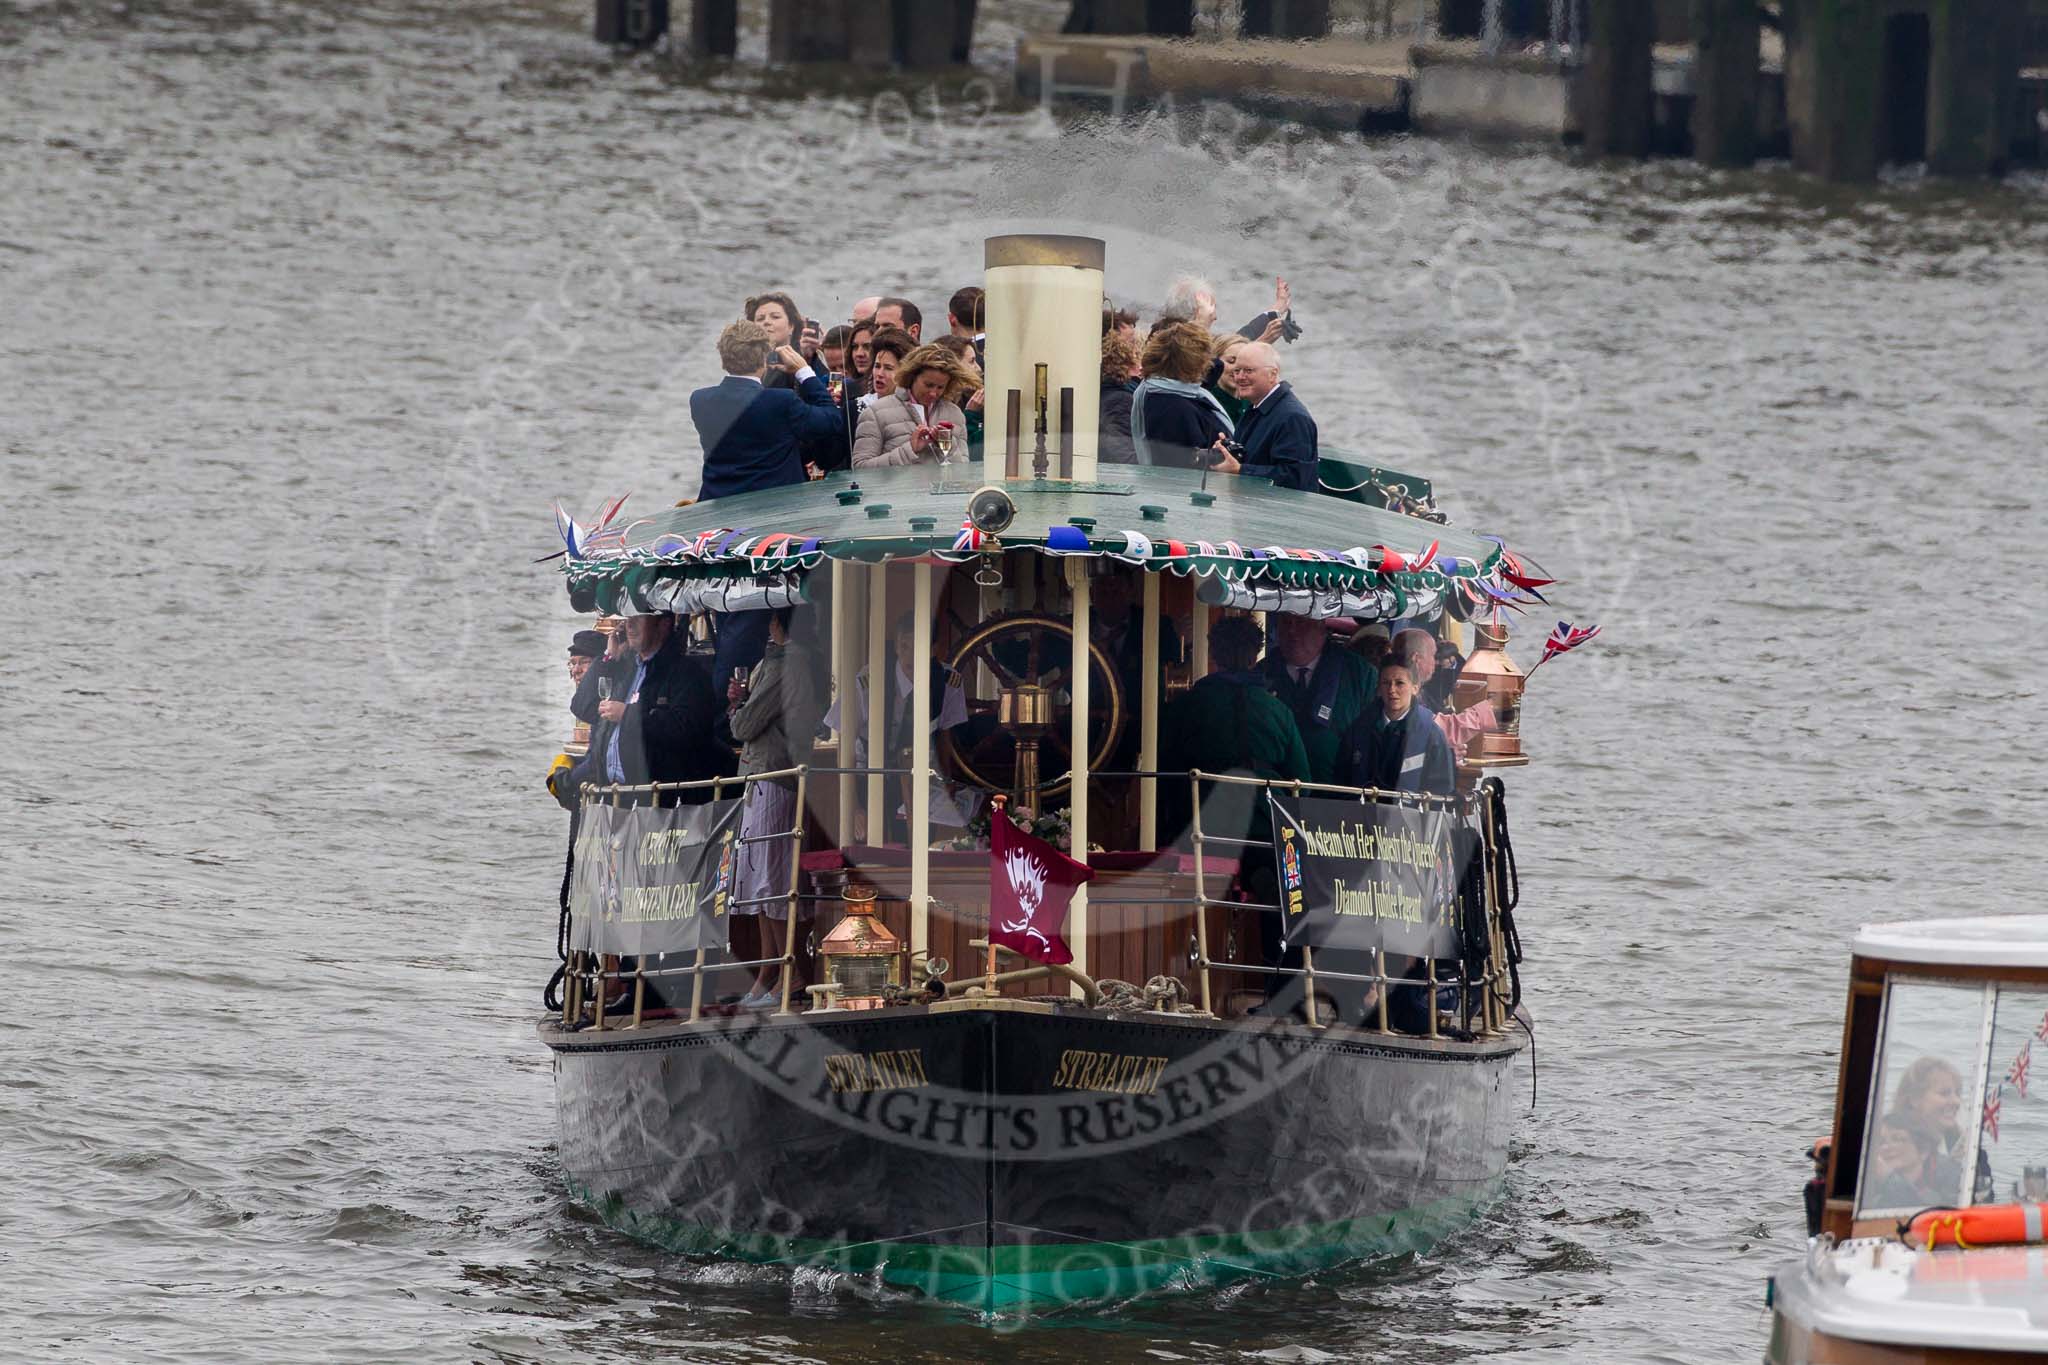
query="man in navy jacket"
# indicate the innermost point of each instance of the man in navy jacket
(753, 436)
(1277, 434)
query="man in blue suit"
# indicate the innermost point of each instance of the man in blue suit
(753, 435)
(1277, 434)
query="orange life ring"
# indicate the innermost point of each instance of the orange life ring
(1982, 1226)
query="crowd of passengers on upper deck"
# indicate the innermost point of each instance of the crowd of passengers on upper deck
(799, 400)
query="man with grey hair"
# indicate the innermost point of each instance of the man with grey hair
(1193, 299)
(1276, 435)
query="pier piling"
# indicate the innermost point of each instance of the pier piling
(1728, 38)
(714, 28)
(1616, 114)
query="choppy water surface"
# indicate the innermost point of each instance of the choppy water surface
(307, 311)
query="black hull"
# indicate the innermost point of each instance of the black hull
(1006, 1157)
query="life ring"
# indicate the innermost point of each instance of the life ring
(1982, 1226)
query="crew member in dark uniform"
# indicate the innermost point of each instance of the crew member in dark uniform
(1324, 684)
(1229, 723)
(1397, 746)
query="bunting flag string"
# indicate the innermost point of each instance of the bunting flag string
(609, 547)
(2016, 1077)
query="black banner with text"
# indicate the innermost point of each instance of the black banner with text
(654, 879)
(1366, 875)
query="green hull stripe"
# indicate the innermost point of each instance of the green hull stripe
(1011, 1276)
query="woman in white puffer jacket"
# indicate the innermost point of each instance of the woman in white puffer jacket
(898, 427)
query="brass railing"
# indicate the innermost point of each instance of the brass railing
(587, 976)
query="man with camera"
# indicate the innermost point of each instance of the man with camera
(1277, 438)
(754, 437)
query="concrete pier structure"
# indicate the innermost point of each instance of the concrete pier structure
(1844, 88)
(1871, 82)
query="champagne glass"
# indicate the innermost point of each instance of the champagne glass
(943, 438)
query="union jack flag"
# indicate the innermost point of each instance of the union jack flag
(2041, 1032)
(2018, 1074)
(1566, 638)
(1991, 1107)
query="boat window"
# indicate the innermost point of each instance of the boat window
(1921, 1130)
(2012, 1124)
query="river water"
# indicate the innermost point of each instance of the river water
(308, 311)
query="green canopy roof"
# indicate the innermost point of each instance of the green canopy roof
(1242, 530)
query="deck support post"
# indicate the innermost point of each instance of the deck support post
(1198, 640)
(881, 666)
(796, 882)
(921, 706)
(848, 597)
(1148, 716)
(1379, 970)
(1077, 749)
(1201, 880)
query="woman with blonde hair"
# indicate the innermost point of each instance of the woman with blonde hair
(1174, 420)
(909, 424)
(1220, 381)
(1928, 1098)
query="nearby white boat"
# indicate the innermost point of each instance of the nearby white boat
(1929, 1210)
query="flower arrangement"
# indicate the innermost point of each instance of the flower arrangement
(1055, 827)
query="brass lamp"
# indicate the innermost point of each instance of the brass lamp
(860, 955)
(1490, 675)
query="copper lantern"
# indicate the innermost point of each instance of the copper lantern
(860, 955)
(1490, 675)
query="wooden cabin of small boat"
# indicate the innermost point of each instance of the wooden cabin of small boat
(1937, 1103)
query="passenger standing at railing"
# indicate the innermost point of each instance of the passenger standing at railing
(919, 421)
(1120, 375)
(1174, 420)
(773, 718)
(1277, 438)
(662, 727)
(1229, 723)
(1396, 745)
(754, 438)
(1326, 686)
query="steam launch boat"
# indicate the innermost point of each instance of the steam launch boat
(1927, 1209)
(1250, 1027)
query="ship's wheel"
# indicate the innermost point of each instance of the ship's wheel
(1023, 734)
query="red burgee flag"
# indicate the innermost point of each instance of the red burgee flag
(1030, 885)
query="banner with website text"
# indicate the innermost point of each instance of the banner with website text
(654, 879)
(1366, 875)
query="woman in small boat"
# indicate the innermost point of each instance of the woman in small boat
(912, 424)
(1174, 420)
(1929, 1099)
